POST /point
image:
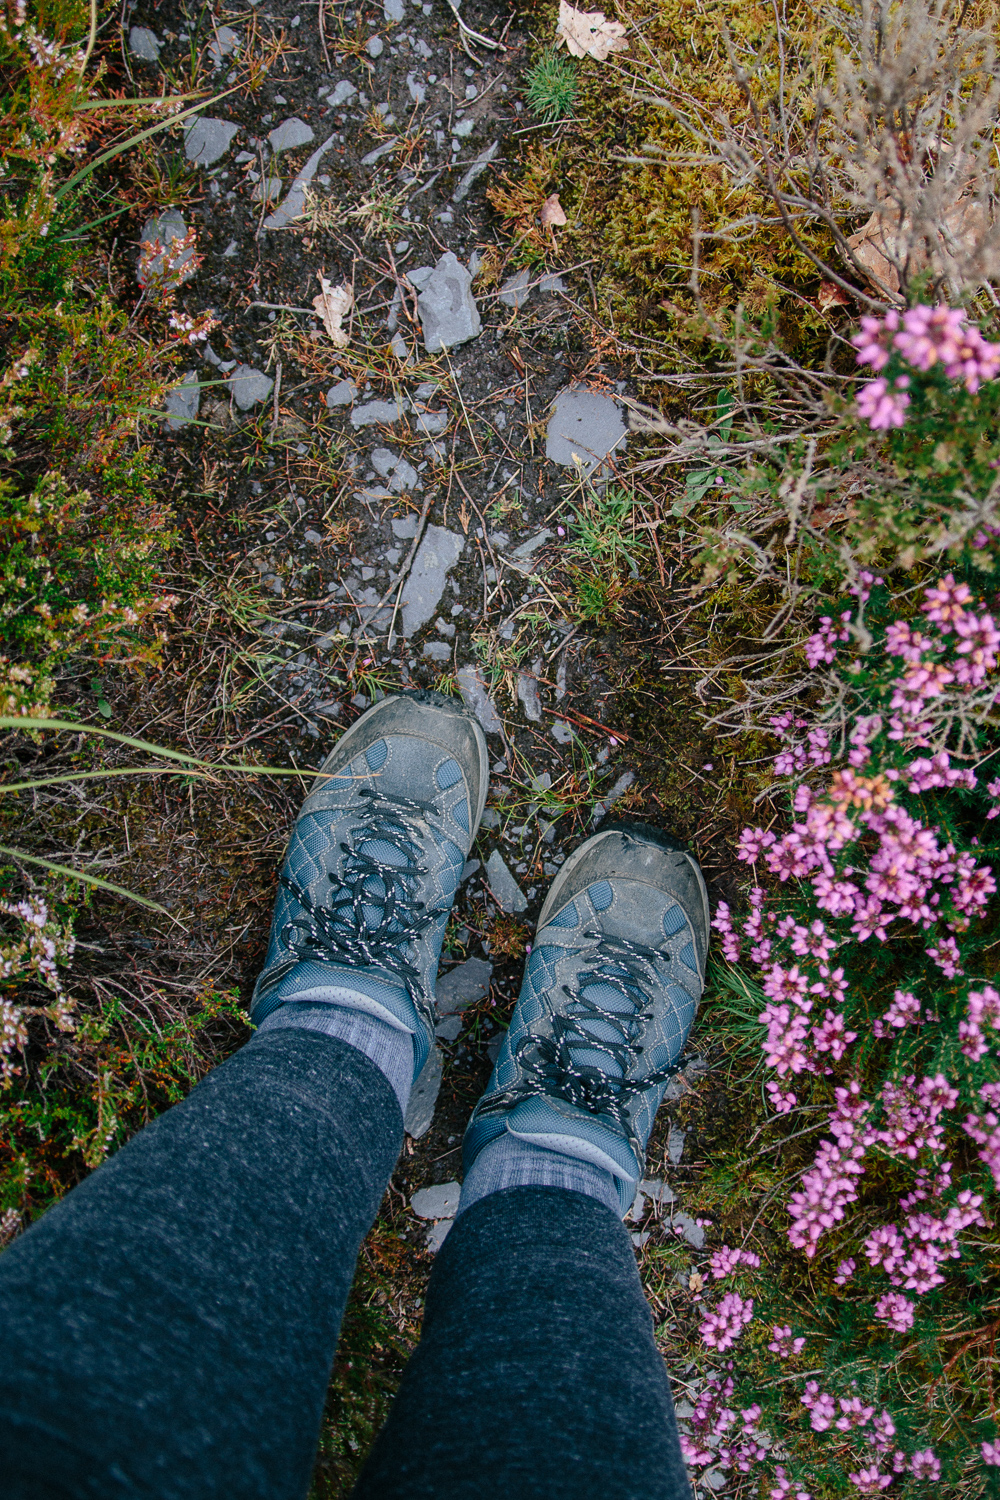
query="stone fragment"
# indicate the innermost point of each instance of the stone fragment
(436, 651)
(419, 277)
(398, 474)
(561, 732)
(478, 166)
(290, 134)
(224, 43)
(464, 128)
(527, 691)
(432, 423)
(449, 1029)
(515, 290)
(660, 1194)
(448, 311)
(268, 189)
(531, 546)
(417, 91)
(374, 46)
(249, 386)
(552, 284)
(379, 152)
(295, 199)
(689, 1230)
(183, 401)
(493, 1046)
(675, 1144)
(437, 1202)
(503, 885)
(400, 349)
(436, 1236)
(618, 791)
(438, 552)
(464, 985)
(475, 696)
(420, 1109)
(163, 230)
(344, 90)
(583, 429)
(470, 868)
(208, 139)
(144, 44)
(382, 412)
(342, 394)
(231, 249)
(639, 1240)
(404, 528)
(393, 10)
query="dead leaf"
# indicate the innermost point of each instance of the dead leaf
(831, 295)
(552, 212)
(588, 34)
(883, 243)
(463, 517)
(333, 304)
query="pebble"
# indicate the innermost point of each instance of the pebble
(464, 985)
(420, 1108)
(470, 868)
(164, 229)
(374, 46)
(464, 128)
(345, 90)
(515, 291)
(144, 44)
(437, 1202)
(478, 166)
(527, 691)
(438, 552)
(531, 546)
(207, 140)
(561, 732)
(448, 311)
(437, 1234)
(290, 134)
(223, 44)
(397, 472)
(183, 401)
(432, 423)
(343, 394)
(269, 190)
(690, 1231)
(417, 91)
(295, 199)
(379, 152)
(505, 888)
(583, 429)
(382, 412)
(552, 284)
(437, 651)
(474, 696)
(393, 10)
(249, 386)
(675, 1144)
(618, 791)
(448, 1030)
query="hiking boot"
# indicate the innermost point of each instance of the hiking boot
(610, 991)
(373, 864)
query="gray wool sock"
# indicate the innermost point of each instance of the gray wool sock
(508, 1162)
(390, 1049)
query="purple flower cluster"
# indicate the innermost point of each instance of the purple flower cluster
(727, 1320)
(924, 337)
(730, 1438)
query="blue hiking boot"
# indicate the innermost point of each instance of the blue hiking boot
(373, 864)
(610, 991)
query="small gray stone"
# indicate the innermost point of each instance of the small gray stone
(420, 1109)
(163, 230)
(618, 791)
(659, 1193)
(552, 284)
(231, 249)
(432, 423)
(144, 44)
(314, 538)
(531, 546)
(464, 985)
(690, 1231)
(675, 1144)
(493, 1046)
(208, 139)
(374, 46)
(249, 386)
(639, 1240)
(503, 885)
(715, 1479)
(382, 412)
(464, 128)
(438, 1202)
(449, 1029)
(474, 696)
(400, 349)
(470, 868)
(515, 291)
(397, 472)
(437, 1234)
(379, 152)
(269, 190)
(527, 691)
(224, 43)
(438, 552)
(295, 199)
(183, 401)
(561, 732)
(290, 134)
(448, 311)
(479, 165)
(419, 277)
(417, 91)
(394, 10)
(436, 651)
(342, 394)
(583, 429)
(405, 528)
(344, 90)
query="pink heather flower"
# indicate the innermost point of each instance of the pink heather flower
(870, 1481)
(853, 1414)
(885, 1431)
(781, 1103)
(947, 958)
(784, 1488)
(994, 790)
(985, 1131)
(727, 1260)
(845, 1270)
(783, 1345)
(882, 407)
(946, 601)
(724, 1325)
(874, 342)
(752, 841)
(925, 1465)
(821, 1407)
(822, 647)
(896, 1310)
(991, 1454)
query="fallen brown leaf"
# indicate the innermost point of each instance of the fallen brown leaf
(831, 295)
(587, 33)
(333, 304)
(552, 212)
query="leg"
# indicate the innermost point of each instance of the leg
(538, 1374)
(169, 1328)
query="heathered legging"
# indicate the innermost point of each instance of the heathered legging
(168, 1329)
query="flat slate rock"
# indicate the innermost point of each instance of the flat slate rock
(207, 140)
(448, 311)
(517, 290)
(163, 230)
(294, 202)
(291, 134)
(449, 1029)
(436, 1236)
(438, 552)
(423, 1097)
(342, 394)
(144, 44)
(583, 429)
(381, 412)
(437, 1202)
(183, 401)
(249, 386)
(527, 691)
(463, 986)
(225, 42)
(343, 91)
(474, 696)
(689, 1230)
(503, 885)
(478, 166)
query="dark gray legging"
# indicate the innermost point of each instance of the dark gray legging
(168, 1329)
